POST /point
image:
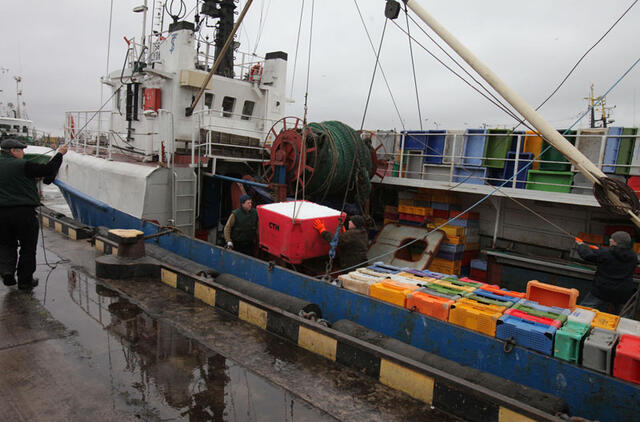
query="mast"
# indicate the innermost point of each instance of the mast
(224, 11)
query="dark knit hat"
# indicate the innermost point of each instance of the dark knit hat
(358, 221)
(244, 198)
(8, 144)
(623, 239)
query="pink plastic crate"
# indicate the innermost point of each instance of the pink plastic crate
(295, 240)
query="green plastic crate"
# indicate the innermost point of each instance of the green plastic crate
(496, 147)
(550, 181)
(625, 151)
(569, 341)
(553, 154)
(536, 312)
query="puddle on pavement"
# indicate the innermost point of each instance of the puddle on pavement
(153, 369)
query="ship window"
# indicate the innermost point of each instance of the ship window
(25, 129)
(208, 100)
(409, 251)
(16, 128)
(5, 127)
(227, 106)
(247, 110)
(118, 99)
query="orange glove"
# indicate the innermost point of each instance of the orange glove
(319, 225)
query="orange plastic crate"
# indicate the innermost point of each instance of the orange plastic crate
(476, 316)
(550, 295)
(496, 290)
(434, 306)
(392, 292)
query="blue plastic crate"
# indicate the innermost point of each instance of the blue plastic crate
(434, 274)
(381, 267)
(464, 223)
(543, 308)
(444, 206)
(530, 334)
(473, 151)
(415, 140)
(448, 247)
(472, 175)
(508, 301)
(494, 176)
(479, 264)
(434, 148)
(450, 256)
(611, 149)
(525, 160)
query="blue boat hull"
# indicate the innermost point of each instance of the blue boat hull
(589, 394)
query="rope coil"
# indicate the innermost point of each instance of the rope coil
(616, 196)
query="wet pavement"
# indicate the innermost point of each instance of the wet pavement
(79, 349)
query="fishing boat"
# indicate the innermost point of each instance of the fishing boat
(188, 131)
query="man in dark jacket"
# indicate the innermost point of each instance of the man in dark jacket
(19, 198)
(242, 227)
(353, 244)
(613, 283)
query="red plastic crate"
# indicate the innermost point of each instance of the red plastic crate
(626, 364)
(295, 240)
(465, 216)
(542, 320)
(467, 256)
(478, 275)
(440, 213)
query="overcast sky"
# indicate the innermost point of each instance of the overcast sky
(60, 50)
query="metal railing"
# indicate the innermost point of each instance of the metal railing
(481, 157)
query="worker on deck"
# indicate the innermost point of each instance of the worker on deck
(613, 283)
(19, 197)
(353, 244)
(241, 229)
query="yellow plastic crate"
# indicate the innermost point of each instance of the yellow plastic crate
(388, 220)
(405, 209)
(476, 316)
(392, 292)
(606, 321)
(456, 240)
(405, 202)
(453, 286)
(636, 247)
(453, 230)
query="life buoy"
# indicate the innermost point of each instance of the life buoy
(255, 74)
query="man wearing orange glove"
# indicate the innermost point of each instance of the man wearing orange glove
(353, 244)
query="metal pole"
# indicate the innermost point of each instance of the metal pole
(221, 55)
(582, 163)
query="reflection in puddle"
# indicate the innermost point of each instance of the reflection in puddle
(164, 375)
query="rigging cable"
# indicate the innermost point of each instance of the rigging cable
(582, 58)
(453, 59)
(306, 94)
(384, 76)
(497, 104)
(295, 60)
(413, 65)
(496, 188)
(373, 77)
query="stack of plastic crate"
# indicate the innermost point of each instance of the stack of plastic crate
(478, 270)
(414, 208)
(471, 242)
